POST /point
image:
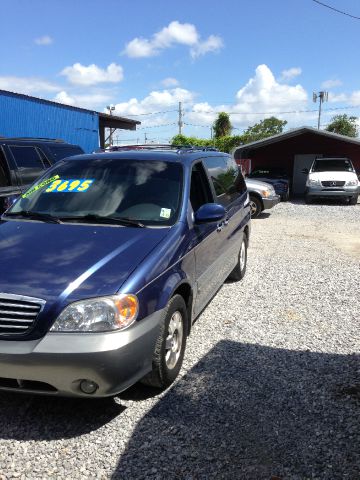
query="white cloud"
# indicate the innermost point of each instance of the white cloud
(174, 33)
(332, 83)
(337, 98)
(91, 100)
(44, 40)
(27, 85)
(355, 98)
(290, 73)
(159, 102)
(170, 82)
(261, 97)
(84, 75)
(212, 44)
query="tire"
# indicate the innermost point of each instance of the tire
(286, 196)
(255, 206)
(353, 200)
(239, 271)
(170, 345)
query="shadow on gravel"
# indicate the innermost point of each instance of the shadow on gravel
(251, 412)
(33, 417)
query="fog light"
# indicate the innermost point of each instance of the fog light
(88, 386)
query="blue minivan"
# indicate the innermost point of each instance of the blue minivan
(106, 262)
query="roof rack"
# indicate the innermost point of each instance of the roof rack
(38, 139)
(155, 146)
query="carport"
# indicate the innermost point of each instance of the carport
(114, 122)
(295, 150)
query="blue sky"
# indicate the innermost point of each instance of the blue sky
(250, 58)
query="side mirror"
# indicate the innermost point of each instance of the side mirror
(305, 170)
(210, 212)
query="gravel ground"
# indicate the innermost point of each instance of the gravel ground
(270, 386)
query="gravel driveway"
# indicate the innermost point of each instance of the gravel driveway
(270, 385)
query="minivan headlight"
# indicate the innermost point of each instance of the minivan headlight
(100, 314)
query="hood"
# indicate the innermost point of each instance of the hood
(272, 181)
(335, 176)
(257, 184)
(68, 262)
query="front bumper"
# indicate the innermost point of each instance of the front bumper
(270, 202)
(57, 363)
(331, 192)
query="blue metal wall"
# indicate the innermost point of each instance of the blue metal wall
(22, 116)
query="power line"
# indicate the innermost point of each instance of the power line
(150, 113)
(157, 126)
(336, 10)
(275, 113)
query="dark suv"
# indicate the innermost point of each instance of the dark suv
(109, 258)
(23, 160)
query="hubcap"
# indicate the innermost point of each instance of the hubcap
(253, 208)
(242, 256)
(174, 340)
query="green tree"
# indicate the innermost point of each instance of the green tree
(344, 125)
(265, 128)
(222, 125)
(223, 144)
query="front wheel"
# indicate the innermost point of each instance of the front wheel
(170, 345)
(353, 200)
(239, 271)
(255, 206)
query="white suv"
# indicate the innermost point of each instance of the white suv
(332, 177)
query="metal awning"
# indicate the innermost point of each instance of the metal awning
(114, 122)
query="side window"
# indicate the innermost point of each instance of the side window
(200, 192)
(4, 181)
(26, 156)
(44, 158)
(62, 151)
(226, 177)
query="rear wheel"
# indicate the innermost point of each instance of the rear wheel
(255, 206)
(353, 200)
(170, 345)
(239, 271)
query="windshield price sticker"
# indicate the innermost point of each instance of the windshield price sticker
(43, 184)
(70, 185)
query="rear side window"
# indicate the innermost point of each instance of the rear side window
(226, 177)
(26, 156)
(62, 151)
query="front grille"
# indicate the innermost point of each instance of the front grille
(332, 183)
(18, 313)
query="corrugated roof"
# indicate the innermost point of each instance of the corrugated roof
(294, 133)
(69, 107)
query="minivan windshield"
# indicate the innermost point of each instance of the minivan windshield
(128, 192)
(332, 165)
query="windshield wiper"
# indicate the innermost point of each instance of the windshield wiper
(92, 217)
(43, 217)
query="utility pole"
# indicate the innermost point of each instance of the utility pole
(145, 138)
(111, 108)
(323, 97)
(180, 122)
